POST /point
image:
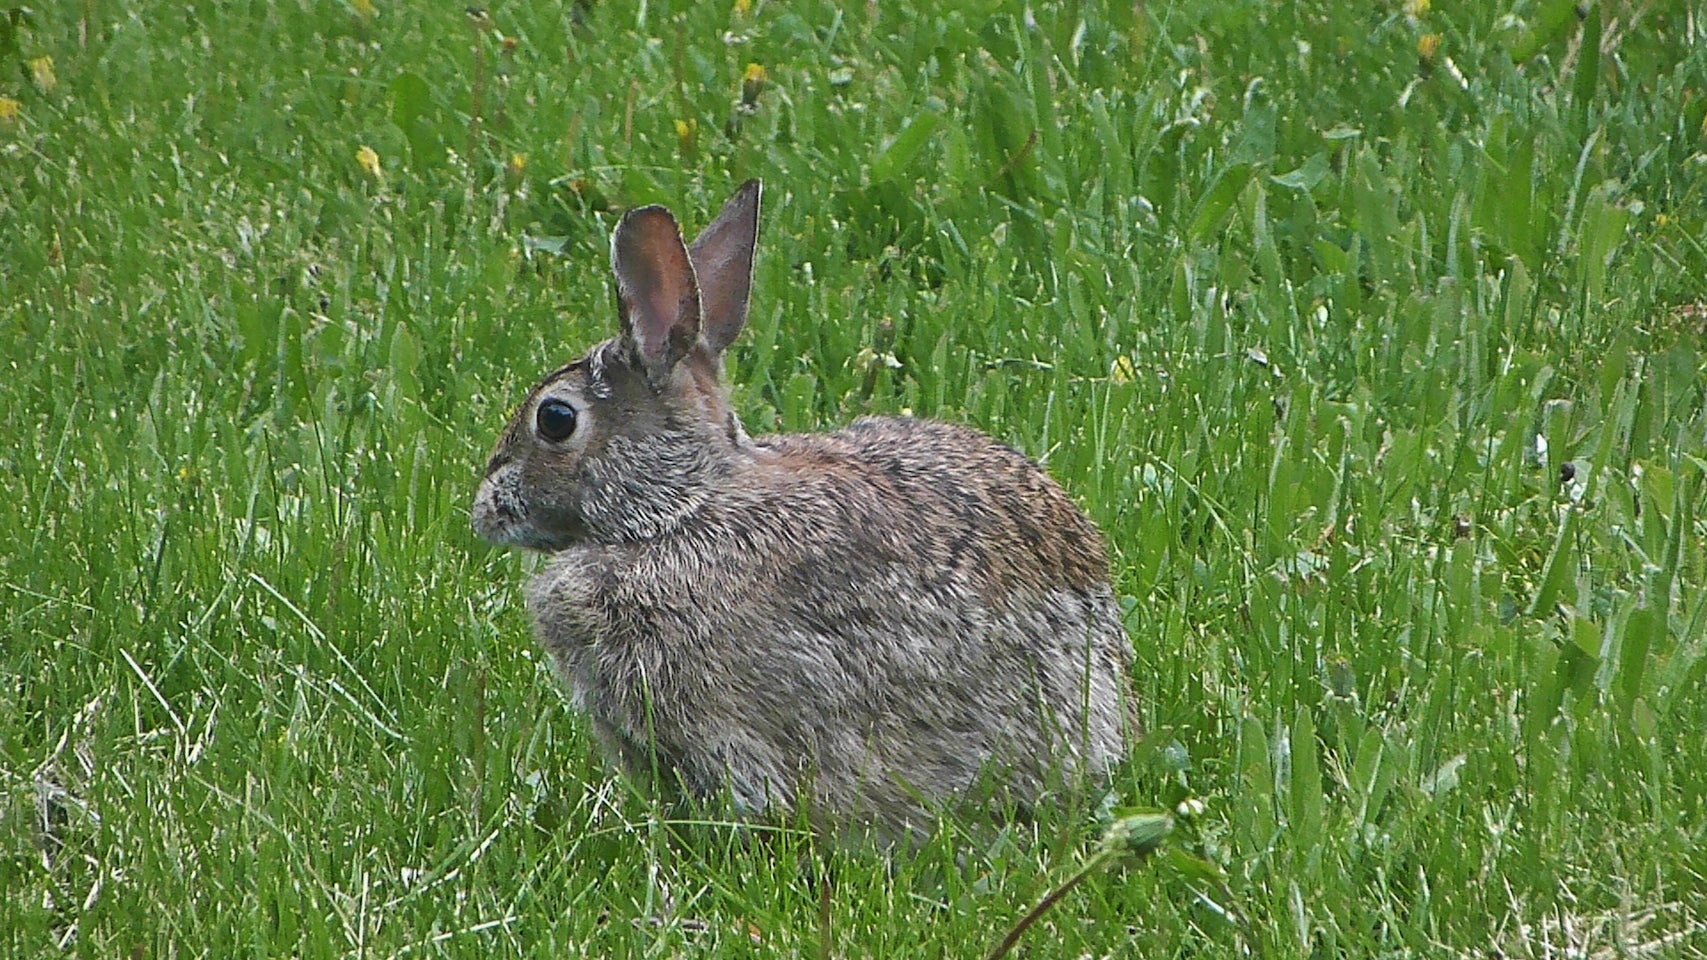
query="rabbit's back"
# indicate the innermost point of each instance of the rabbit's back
(872, 616)
(964, 509)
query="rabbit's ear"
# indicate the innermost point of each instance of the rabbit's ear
(723, 261)
(655, 289)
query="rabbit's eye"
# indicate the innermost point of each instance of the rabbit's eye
(555, 419)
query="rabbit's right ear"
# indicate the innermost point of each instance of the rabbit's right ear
(655, 290)
(722, 257)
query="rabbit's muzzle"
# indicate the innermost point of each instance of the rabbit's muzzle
(500, 515)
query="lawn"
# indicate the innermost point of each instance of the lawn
(1372, 337)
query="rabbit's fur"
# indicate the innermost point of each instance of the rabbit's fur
(857, 625)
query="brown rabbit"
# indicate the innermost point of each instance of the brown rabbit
(862, 624)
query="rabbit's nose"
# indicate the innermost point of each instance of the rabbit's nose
(493, 512)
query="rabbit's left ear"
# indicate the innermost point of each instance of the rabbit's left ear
(655, 290)
(722, 258)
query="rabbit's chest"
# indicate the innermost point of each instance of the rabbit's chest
(608, 606)
(637, 644)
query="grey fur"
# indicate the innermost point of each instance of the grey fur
(864, 623)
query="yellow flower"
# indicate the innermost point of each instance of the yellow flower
(752, 83)
(743, 7)
(364, 7)
(1123, 371)
(518, 164)
(687, 138)
(369, 161)
(41, 71)
(9, 110)
(1427, 46)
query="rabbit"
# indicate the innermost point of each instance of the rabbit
(858, 627)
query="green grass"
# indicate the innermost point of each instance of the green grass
(1314, 325)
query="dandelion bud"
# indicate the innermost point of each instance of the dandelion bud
(752, 84)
